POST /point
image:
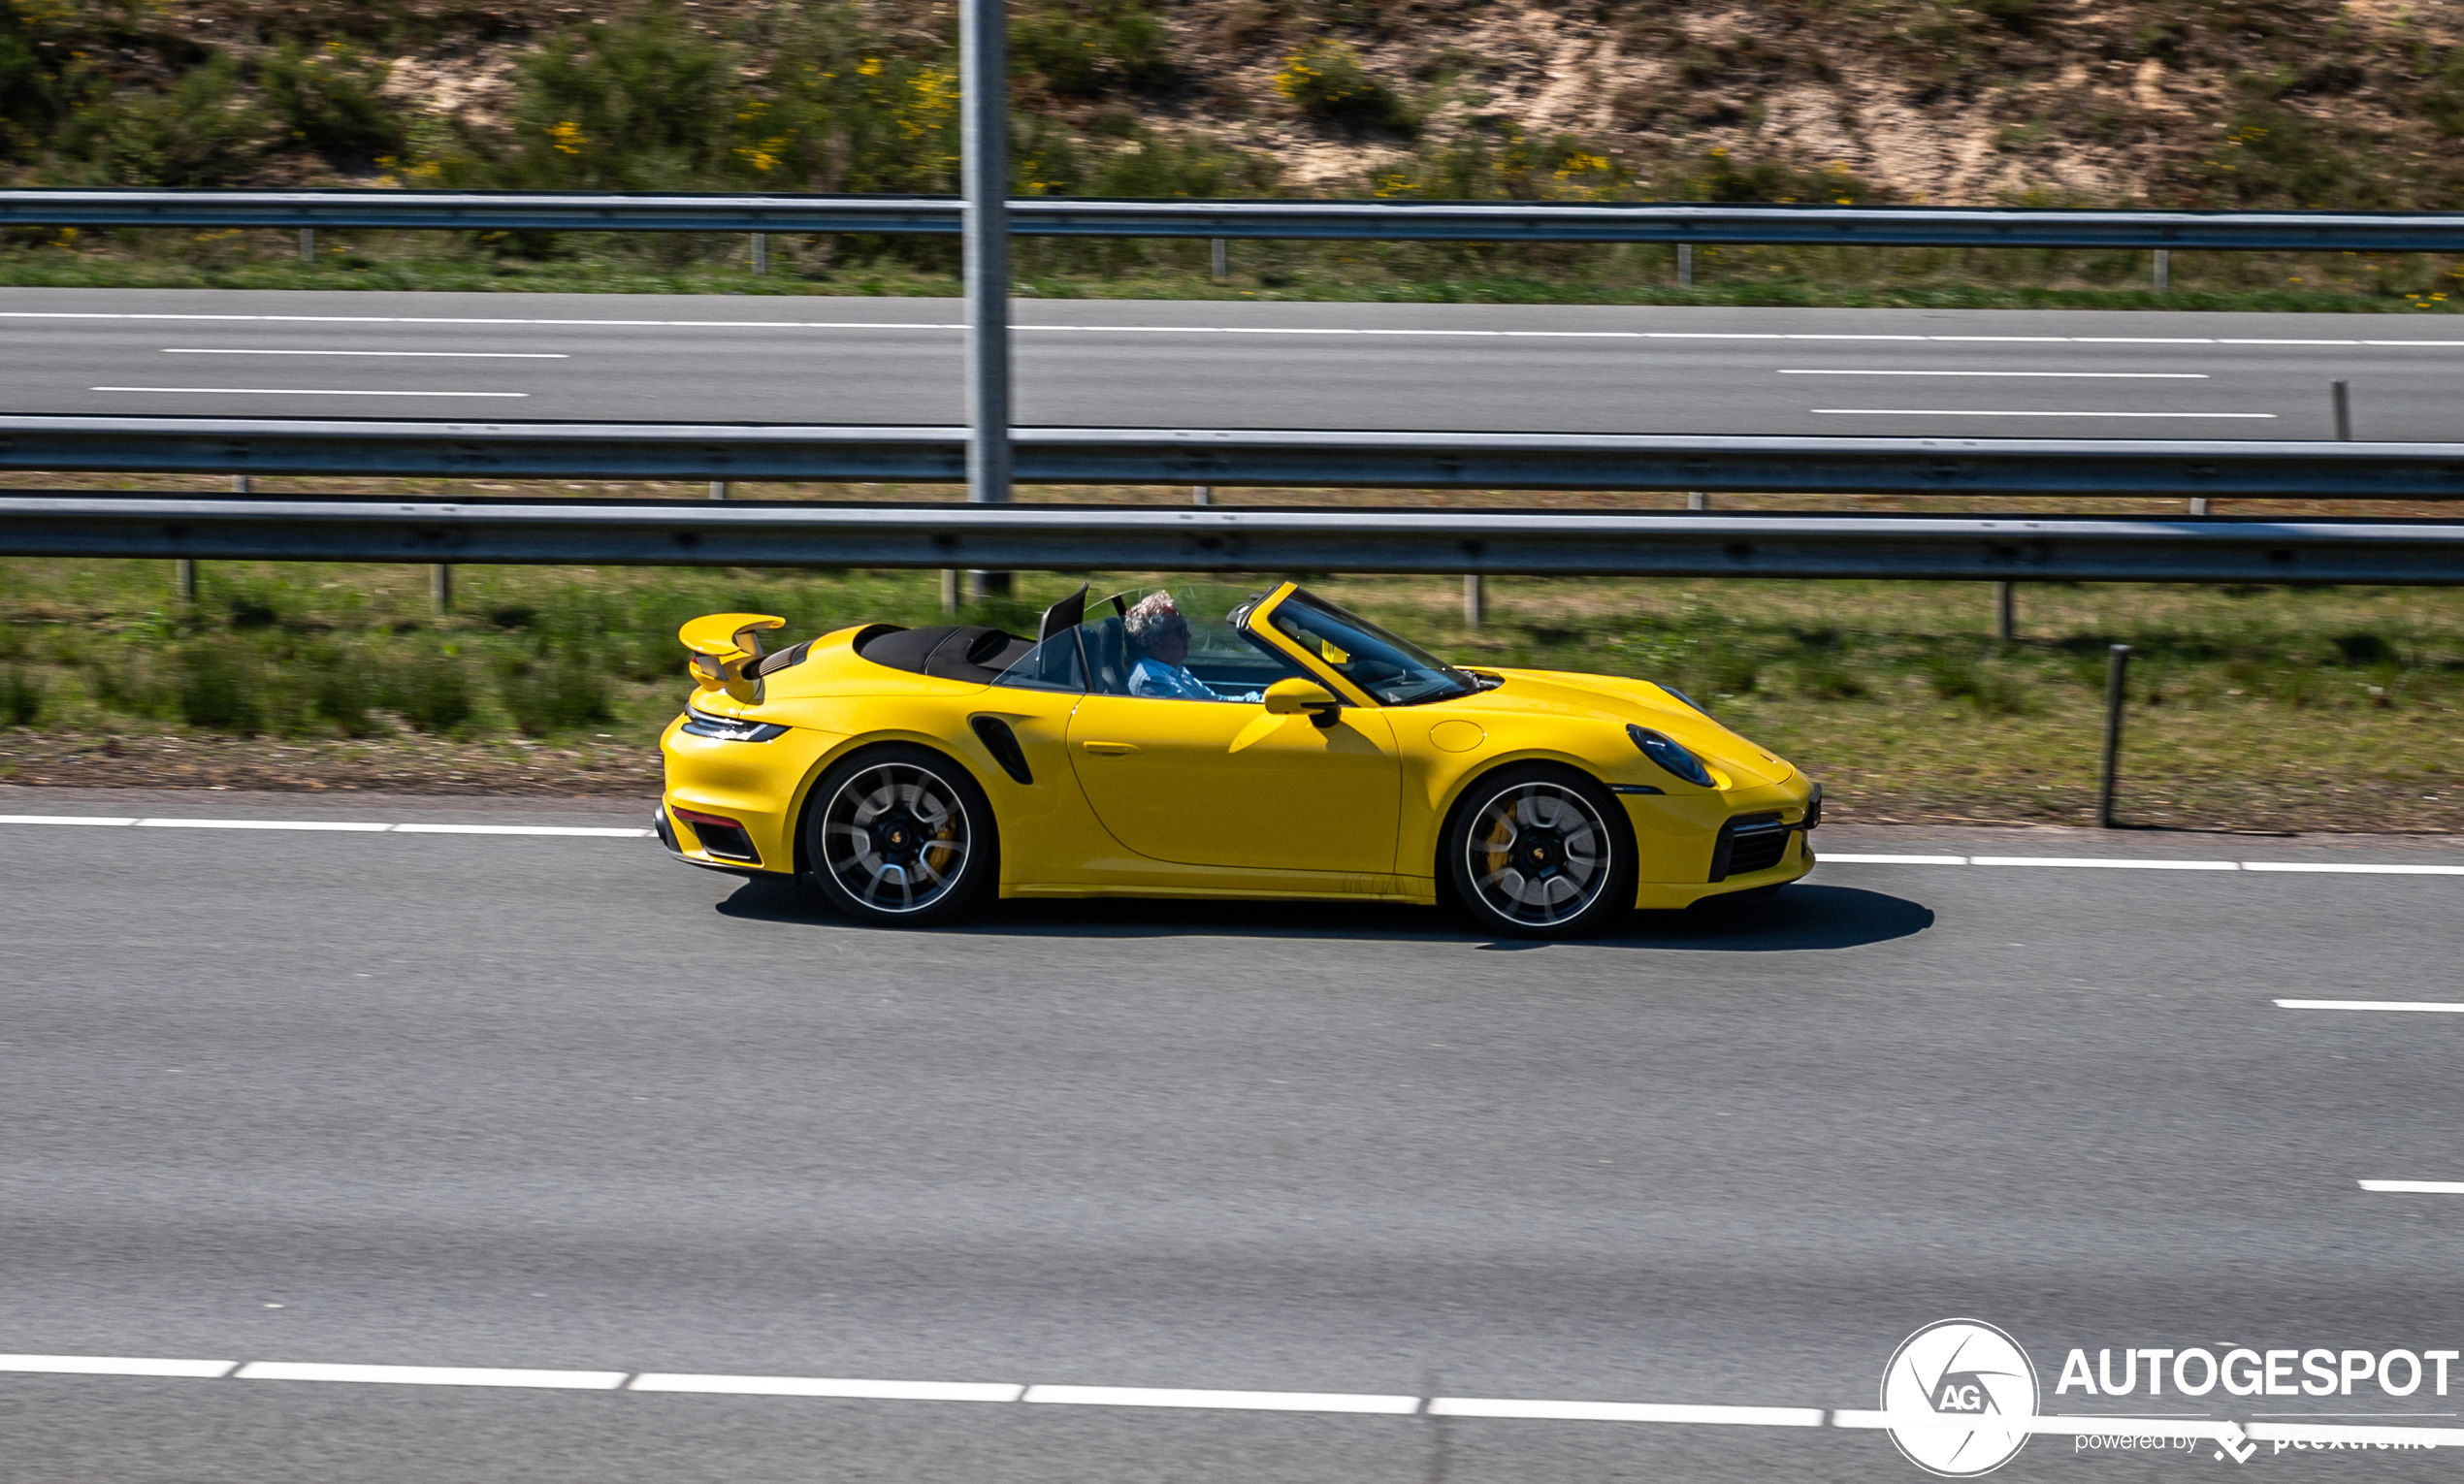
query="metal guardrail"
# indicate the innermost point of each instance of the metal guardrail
(1217, 539)
(1386, 220)
(2218, 469)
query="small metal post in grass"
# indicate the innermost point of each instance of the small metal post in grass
(2198, 504)
(1202, 494)
(2117, 678)
(2163, 271)
(1220, 260)
(1474, 600)
(2005, 612)
(2344, 411)
(240, 484)
(183, 580)
(1696, 500)
(761, 252)
(440, 587)
(949, 590)
(1685, 265)
(720, 488)
(308, 244)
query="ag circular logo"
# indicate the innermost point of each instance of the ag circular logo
(1958, 1397)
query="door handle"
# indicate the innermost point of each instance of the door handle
(1110, 749)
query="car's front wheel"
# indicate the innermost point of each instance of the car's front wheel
(900, 836)
(1540, 851)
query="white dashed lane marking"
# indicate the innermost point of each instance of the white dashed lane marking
(2332, 867)
(601, 832)
(2431, 1006)
(2414, 1188)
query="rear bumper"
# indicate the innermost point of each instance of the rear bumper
(665, 828)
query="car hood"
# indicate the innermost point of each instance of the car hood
(1618, 700)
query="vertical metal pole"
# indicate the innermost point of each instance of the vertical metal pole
(183, 580)
(1696, 500)
(984, 169)
(1222, 263)
(240, 484)
(2198, 504)
(1474, 600)
(308, 244)
(2117, 676)
(2005, 612)
(949, 590)
(2164, 270)
(720, 490)
(2344, 411)
(761, 252)
(1685, 265)
(1202, 494)
(440, 587)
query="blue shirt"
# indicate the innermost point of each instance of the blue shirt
(1152, 677)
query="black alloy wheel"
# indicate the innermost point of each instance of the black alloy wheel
(1540, 851)
(899, 835)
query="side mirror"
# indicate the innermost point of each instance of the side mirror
(1294, 695)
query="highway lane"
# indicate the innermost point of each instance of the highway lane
(556, 1102)
(1589, 368)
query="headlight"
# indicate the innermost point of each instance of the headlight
(722, 730)
(1671, 754)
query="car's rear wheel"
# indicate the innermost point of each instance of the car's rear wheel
(900, 836)
(1540, 851)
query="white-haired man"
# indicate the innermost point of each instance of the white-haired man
(1159, 636)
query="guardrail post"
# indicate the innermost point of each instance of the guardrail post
(240, 484)
(1685, 265)
(2343, 396)
(183, 580)
(440, 587)
(2164, 270)
(761, 252)
(1696, 500)
(2005, 612)
(1474, 600)
(1220, 260)
(984, 168)
(719, 489)
(2116, 677)
(1202, 494)
(2198, 504)
(308, 244)
(949, 590)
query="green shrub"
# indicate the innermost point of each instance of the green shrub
(433, 693)
(1325, 81)
(1076, 50)
(556, 691)
(328, 100)
(20, 698)
(218, 686)
(1825, 674)
(339, 692)
(200, 131)
(1991, 689)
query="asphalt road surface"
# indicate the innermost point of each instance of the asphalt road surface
(501, 1100)
(1567, 368)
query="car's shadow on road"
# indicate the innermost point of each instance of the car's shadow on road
(1801, 918)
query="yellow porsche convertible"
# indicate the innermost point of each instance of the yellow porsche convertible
(1208, 742)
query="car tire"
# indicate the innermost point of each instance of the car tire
(900, 836)
(1538, 850)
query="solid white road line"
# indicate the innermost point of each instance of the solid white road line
(1973, 413)
(2105, 863)
(2429, 1006)
(2359, 868)
(831, 324)
(423, 355)
(259, 824)
(1828, 857)
(1627, 1411)
(2414, 1188)
(431, 1375)
(601, 832)
(821, 1386)
(2062, 375)
(287, 391)
(1224, 1400)
(116, 1365)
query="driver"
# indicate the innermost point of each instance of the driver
(1159, 636)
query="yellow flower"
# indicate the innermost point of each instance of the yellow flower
(568, 136)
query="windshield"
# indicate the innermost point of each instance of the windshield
(1395, 672)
